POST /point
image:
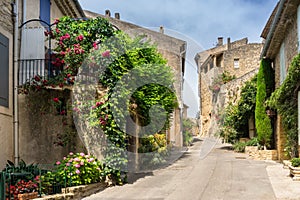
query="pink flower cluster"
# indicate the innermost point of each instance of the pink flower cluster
(79, 38)
(106, 54)
(78, 49)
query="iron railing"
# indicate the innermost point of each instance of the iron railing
(29, 68)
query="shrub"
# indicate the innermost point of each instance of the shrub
(253, 142)
(262, 121)
(239, 146)
(295, 162)
(79, 169)
(187, 131)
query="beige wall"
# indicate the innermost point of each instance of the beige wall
(249, 59)
(6, 114)
(213, 102)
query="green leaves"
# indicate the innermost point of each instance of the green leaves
(284, 100)
(262, 120)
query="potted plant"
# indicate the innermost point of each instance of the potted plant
(295, 169)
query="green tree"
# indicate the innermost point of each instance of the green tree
(262, 121)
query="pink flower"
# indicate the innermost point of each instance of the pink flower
(71, 153)
(91, 160)
(81, 163)
(80, 37)
(65, 158)
(106, 54)
(99, 104)
(58, 163)
(56, 100)
(68, 164)
(56, 21)
(76, 159)
(77, 171)
(77, 165)
(82, 154)
(57, 30)
(95, 45)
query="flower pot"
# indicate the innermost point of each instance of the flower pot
(27, 196)
(295, 173)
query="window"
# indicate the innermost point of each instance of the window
(4, 70)
(236, 63)
(45, 11)
(282, 63)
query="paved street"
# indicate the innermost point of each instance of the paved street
(222, 174)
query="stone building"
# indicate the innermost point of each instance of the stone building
(172, 49)
(282, 36)
(238, 59)
(19, 138)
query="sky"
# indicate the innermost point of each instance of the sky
(199, 22)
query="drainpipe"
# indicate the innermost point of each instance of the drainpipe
(181, 91)
(272, 29)
(15, 78)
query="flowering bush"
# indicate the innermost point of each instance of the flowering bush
(22, 187)
(79, 169)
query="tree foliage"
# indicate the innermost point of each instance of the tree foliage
(262, 120)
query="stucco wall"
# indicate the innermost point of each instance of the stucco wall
(41, 127)
(6, 114)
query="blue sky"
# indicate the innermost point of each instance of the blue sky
(201, 21)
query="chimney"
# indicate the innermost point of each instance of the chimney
(161, 29)
(220, 41)
(107, 13)
(117, 15)
(228, 43)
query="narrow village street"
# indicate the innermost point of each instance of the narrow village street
(222, 174)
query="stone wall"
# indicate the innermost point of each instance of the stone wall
(291, 50)
(249, 59)
(43, 130)
(256, 154)
(213, 103)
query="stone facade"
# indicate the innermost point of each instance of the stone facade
(239, 59)
(285, 31)
(173, 50)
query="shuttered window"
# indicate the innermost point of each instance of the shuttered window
(4, 71)
(282, 63)
(45, 10)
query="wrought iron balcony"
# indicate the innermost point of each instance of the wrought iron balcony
(30, 68)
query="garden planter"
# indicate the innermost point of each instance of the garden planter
(27, 196)
(295, 173)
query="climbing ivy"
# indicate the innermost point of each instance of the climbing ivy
(285, 101)
(234, 120)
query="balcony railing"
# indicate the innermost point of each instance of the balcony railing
(29, 68)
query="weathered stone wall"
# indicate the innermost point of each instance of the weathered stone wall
(42, 129)
(212, 103)
(6, 114)
(291, 50)
(256, 154)
(249, 59)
